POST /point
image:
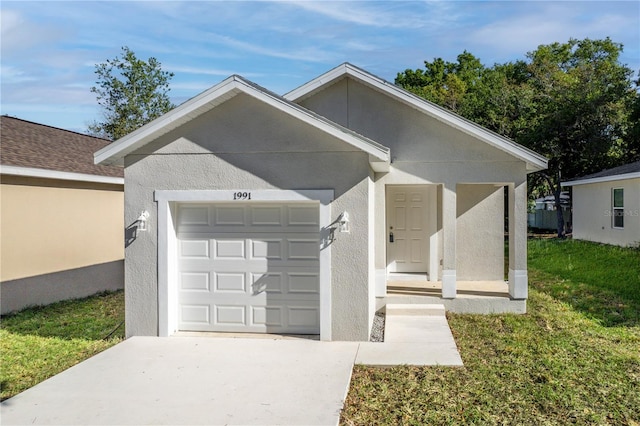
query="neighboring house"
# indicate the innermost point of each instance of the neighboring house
(606, 206)
(61, 223)
(286, 214)
(545, 216)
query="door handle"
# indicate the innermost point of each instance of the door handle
(391, 234)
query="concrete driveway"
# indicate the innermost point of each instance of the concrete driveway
(206, 379)
(195, 380)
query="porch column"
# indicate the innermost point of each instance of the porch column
(518, 280)
(449, 212)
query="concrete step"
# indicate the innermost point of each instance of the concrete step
(415, 309)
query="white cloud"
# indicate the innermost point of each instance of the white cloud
(376, 14)
(12, 75)
(18, 33)
(523, 29)
(208, 71)
(308, 53)
(360, 45)
(10, 21)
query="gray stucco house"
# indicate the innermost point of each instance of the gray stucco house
(287, 214)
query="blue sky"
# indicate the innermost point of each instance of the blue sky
(50, 49)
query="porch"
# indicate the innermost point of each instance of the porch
(472, 297)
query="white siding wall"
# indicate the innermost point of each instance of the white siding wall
(592, 213)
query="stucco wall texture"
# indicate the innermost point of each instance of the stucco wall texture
(59, 240)
(64, 285)
(480, 233)
(426, 151)
(247, 145)
(50, 227)
(593, 213)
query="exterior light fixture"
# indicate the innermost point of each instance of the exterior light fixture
(343, 223)
(142, 221)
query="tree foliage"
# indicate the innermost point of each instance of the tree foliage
(573, 102)
(131, 92)
(581, 94)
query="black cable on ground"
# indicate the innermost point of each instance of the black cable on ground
(114, 330)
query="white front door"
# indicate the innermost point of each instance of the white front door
(407, 230)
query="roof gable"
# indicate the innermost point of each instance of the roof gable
(379, 157)
(28, 148)
(534, 161)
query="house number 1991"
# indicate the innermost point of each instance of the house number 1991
(241, 195)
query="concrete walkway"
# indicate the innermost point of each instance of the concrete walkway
(221, 380)
(414, 335)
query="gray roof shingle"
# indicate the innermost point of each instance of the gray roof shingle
(27, 144)
(620, 170)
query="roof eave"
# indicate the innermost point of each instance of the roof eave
(378, 165)
(625, 176)
(309, 88)
(32, 172)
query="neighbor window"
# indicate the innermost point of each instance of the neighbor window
(618, 207)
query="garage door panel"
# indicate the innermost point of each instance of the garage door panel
(265, 248)
(303, 282)
(224, 216)
(278, 279)
(303, 316)
(195, 314)
(234, 218)
(195, 248)
(302, 249)
(298, 254)
(195, 281)
(256, 246)
(230, 282)
(271, 282)
(194, 215)
(229, 249)
(300, 215)
(249, 268)
(230, 315)
(279, 317)
(267, 216)
(267, 316)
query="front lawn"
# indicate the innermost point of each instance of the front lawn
(40, 342)
(573, 359)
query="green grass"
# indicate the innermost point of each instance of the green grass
(39, 342)
(573, 359)
(601, 281)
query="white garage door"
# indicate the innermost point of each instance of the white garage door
(249, 267)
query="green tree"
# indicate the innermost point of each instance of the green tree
(632, 152)
(573, 102)
(131, 92)
(493, 97)
(581, 97)
(449, 84)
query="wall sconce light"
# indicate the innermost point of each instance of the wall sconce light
(343, 223)
(142, 221)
